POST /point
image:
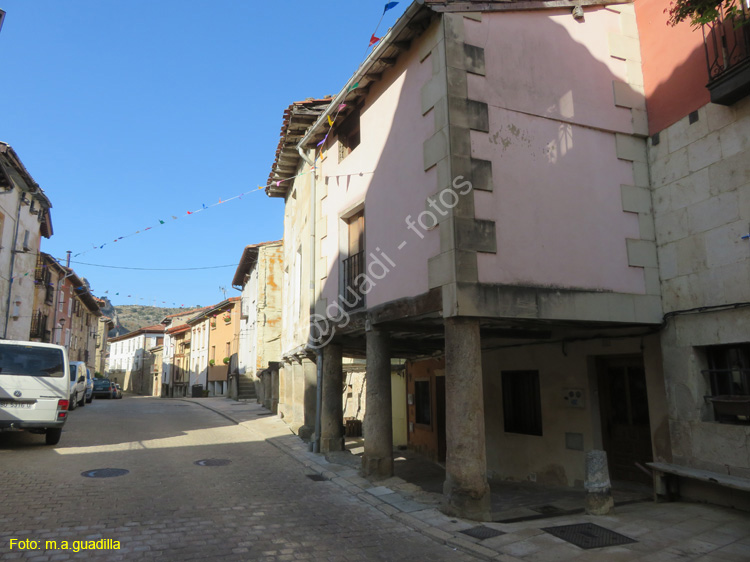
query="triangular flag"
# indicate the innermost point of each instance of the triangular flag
(342, 106)
(389, 5)
(373, 40)
(353, 86)
(204, 206)
(161, 221)
(330, 121)
(117, 293)
(145, 229)
(189, 213)
(174, 217)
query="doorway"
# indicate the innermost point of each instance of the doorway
(626, 428)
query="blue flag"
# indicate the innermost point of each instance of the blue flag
(389, 5)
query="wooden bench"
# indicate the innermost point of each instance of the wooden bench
(667, 486)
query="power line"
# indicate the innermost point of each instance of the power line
(154, 268)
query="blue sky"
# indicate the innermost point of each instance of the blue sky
(128, 113)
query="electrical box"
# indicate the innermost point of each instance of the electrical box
(574, 397)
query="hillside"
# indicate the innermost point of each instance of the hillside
(128, 318)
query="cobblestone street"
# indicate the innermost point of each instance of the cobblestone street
(261, 495)
(261, 506)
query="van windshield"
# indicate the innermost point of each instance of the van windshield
(31, 361)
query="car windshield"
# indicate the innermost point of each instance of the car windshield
(31, 361)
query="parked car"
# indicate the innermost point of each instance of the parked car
(118, 391)
(103, 388)
(34, 388)
(79, 367)
(89, 386)
(77, 384)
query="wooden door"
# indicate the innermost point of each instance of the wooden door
(626, 429)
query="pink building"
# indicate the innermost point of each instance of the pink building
(476, 201)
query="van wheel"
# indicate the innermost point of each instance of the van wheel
(52, 436)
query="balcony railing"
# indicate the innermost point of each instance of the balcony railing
(727, 44)
(38, 325)
(352, 295)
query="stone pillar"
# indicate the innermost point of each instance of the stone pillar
(310, 374)
(466, 491)
(332, 409)
(275, 382)
(377, 459)
(598, 488)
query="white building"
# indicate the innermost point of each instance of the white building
(171, 323)
(129, 361)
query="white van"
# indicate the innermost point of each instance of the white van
(34, 388)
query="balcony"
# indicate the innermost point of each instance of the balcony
(352, 296)
(727, 44)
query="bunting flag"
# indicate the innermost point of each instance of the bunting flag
(330, 121)
(161, 221)
(373, 40)
(174, 217)
(389, 6)
(353, 86)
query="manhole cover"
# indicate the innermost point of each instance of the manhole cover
(317, 477)
(588, 535)
(548, 510)
(482, 532)
(104, 473)
(213, 462)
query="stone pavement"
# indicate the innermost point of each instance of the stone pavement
(192, 485)
(656, 532)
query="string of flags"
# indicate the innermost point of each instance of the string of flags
(203, 207)
(373, 38)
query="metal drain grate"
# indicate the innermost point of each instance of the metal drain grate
(588, 535)
(105, 472)
(482, 532)
(316, 477)
(213, 462)
(548, 510)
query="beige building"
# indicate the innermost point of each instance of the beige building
(259, 277)
(24, 220)
(214, 339)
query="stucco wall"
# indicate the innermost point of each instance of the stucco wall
(545, 459)
(386, 173)
(557, 118)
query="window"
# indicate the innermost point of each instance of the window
(422, 404)
(729, 369)
(229, 350)
(522, 406)
(729, 379)
(26, 240)
(348, 134)
(354, 264)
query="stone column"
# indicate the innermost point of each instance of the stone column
(310, 399)
(599, 499)
(332, 409)
(377, 459)
(466, 491)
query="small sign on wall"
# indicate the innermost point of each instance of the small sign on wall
(574, 397)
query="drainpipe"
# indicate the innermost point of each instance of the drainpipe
(319, 352)
(13, 252)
